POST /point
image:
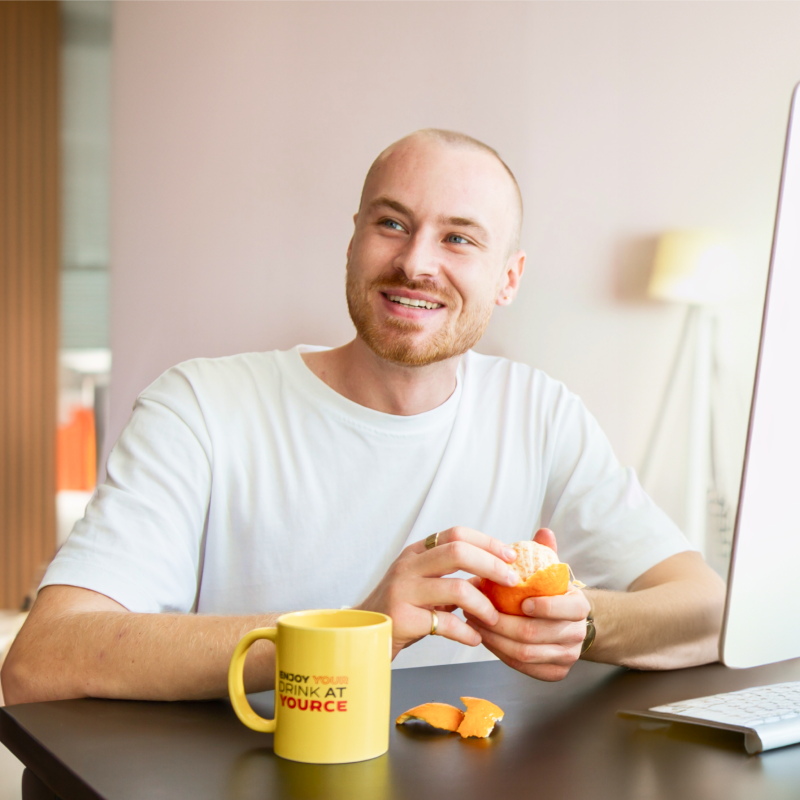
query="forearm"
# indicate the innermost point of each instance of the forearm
(118, 654)
(667, 626)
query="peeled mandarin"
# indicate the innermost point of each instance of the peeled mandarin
(480, 717)
(540, 575)
(440, 715)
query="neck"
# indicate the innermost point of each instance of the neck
(363, 377)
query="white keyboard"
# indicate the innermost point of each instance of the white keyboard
(769, 716)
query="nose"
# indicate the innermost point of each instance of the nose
(418, 258)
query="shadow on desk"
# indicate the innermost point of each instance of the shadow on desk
(34, 789)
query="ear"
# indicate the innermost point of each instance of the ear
(509, 280)
(350, 246)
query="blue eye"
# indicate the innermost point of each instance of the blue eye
(393, 224)
(461, 240)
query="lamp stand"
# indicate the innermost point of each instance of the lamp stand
(699, 443)
(697, 336)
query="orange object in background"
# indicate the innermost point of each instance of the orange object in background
(76, 452)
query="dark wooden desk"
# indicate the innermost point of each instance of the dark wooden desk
(558, 741)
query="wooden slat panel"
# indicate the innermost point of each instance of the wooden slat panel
(30, 219)
(51, 278)
(30, 153)
(33, 214)
(4, 229)
(14, 269)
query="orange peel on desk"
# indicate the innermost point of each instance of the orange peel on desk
(439, 715)
(479, 719)
(540, 572)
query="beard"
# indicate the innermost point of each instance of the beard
(400, 340)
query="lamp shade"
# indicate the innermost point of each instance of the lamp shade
(695, 266)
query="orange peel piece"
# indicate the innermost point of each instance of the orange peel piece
(439, 715)
(540, 573)
(480, 718)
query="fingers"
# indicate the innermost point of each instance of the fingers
(564, 651)
(459, 554)
(536, 631)
(541, 672)
(546, 537)
(475, 538)
(462, 556)
(570, 606)
(451, 627)
(529, 653)
(454, 592)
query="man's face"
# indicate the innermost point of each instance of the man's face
(428, 259)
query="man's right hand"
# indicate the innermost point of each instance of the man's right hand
(416, 584)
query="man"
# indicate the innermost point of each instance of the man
(256, 484)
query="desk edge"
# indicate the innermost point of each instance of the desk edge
(56, 775)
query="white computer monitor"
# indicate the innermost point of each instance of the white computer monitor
(761, 624)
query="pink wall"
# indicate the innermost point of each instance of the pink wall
(242, 132)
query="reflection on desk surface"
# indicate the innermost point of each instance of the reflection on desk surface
(560, 740)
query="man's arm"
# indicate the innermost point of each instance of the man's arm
(669, 618)
(78, 643)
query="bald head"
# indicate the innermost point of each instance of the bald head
(455, 139)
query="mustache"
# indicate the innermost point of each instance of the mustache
(427, 286)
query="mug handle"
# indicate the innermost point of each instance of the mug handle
(236, 681)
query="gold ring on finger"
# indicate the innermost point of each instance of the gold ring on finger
(431, 541)
(434, 622)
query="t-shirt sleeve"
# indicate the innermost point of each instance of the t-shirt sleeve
(141, 539)
(608, 528)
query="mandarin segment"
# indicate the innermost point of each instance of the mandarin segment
(439, 715)
(531, 557)
(480, 718)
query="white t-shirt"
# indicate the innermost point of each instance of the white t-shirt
(246, 485)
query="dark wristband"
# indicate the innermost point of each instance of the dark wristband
(588, 640)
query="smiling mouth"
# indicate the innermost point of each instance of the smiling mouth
(409, 302)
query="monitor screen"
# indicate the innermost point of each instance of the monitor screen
(762, 611)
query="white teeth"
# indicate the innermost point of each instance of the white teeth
(407, 301)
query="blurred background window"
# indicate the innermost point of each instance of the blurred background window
(85, 356)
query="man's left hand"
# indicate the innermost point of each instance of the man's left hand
(546, 642)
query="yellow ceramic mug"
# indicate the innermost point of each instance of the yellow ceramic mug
(332, 685)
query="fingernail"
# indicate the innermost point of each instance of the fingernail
(509, 554)
(512, 579)
(529, 607)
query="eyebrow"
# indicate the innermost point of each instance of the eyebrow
(383, 200)
(461, 222)
(465, 222)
